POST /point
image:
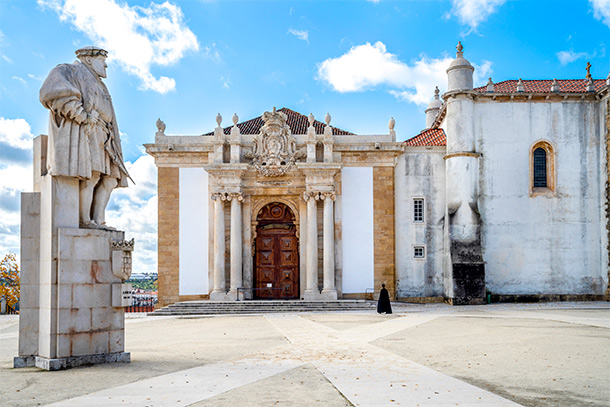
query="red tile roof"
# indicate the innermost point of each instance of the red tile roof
(428, 137)
(297, 122)
(544, 86)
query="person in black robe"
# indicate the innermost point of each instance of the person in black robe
(383, 305)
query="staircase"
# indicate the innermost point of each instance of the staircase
(260, 307)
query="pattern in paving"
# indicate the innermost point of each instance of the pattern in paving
(364, 374)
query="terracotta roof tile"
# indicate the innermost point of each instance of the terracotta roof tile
(544, 86)
(428, 138)
(297, 122)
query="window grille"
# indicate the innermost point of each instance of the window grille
(419, 252)
(540, 171)
(418, 210)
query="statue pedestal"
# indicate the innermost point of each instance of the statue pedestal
(67, 316)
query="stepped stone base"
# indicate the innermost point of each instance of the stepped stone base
(73, 361)
(259, 307)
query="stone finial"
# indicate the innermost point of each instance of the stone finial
(392, 123)
(311, 119)
(218, 119)
(235, 119)
(520, 87)
(590, 85)
(588, 68)
(436, 93)
(460, 50)
(554, 86)
(160, 127)
(327, 119)
(490, 86)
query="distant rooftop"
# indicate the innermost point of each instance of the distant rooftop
(544, 86)
(297, 122)
(428, 138)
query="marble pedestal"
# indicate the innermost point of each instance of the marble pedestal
(67, 316)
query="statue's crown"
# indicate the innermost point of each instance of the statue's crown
(91, 51)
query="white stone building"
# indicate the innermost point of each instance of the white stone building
(505, 191)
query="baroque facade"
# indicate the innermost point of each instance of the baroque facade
(505, 191)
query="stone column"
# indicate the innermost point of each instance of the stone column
(236, 243)
(219, 247)
(311, 292)
(329, 291)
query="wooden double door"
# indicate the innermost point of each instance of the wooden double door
(277, 257)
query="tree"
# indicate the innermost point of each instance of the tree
(9, 279)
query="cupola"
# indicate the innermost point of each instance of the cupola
(432, 109)
(460, 72)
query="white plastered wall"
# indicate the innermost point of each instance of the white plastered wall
(542, 244)
(420, 173)
(193, 235)
(357, 232)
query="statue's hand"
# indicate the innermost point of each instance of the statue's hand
(92, 117)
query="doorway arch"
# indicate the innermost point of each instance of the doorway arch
(276, 256)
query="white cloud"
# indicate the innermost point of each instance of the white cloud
(300, 34)
(134, 210)
(601, 10)
(21, 81)
(566, 57)
(16, 175)
(212, 53)
(366, 66)
(474, 12)
(16, 133)
(137, 37)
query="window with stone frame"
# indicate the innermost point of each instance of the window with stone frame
(419, 252)
(542, 168)
(418, 210)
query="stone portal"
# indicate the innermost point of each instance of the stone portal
(276, 261)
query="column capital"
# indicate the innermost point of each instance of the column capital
(328, 195)
(235, 195)
(219, 196)
(311, 195)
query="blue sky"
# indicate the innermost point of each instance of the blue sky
(185, 61)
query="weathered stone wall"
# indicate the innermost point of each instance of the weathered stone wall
(607, 124)
(383, 227)
(420, 173)
(168, 246)
(548, 243)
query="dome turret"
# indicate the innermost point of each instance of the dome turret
(433, 108)
(460, 72)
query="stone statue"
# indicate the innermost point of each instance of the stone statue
(84, 139)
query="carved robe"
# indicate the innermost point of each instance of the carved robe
(75, 149)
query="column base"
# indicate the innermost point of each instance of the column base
(330, 294)
(310, 295)
(72, 361)
(220, 296)
(243, 295)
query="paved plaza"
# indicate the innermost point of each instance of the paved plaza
(555, 354)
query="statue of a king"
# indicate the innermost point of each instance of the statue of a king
(84, 139)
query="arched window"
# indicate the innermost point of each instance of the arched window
(539, 168)
(542, 168)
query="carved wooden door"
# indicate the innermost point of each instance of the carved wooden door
(277, 258)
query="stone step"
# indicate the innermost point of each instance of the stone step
(261, 306)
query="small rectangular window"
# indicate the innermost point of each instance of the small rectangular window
(418, 210)
(419, 252)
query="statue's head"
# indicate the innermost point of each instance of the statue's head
(95, 58)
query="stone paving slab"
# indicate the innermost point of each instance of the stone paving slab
(421, 355)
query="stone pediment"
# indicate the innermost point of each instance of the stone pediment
(274, 148)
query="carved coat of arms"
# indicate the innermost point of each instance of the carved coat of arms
(274, 151)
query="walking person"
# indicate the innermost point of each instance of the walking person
(383, 304)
